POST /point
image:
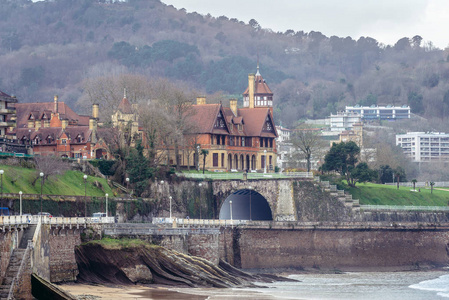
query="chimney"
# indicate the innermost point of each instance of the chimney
(251, 88)
(56, 104)
(64, 123)
(92, 124)
(233, 105)
(200, 100)
(95, 108)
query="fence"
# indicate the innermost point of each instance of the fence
(421, 184)
(197, 222)
(236, 176)
(404, 208)
(27, 219)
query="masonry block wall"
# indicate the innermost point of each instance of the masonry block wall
(62, 262)
(345, 249)
(204, 246)
(226, 250)
(6, 244)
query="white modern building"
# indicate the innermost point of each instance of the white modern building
(425, 147)
(375, 112)
(343, 121)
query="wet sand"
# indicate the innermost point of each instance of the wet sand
(137, 292)
(93, 292)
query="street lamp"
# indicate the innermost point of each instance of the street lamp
(41, 174)
(1, 175)
(265, 161)
(127, 185)
(20, 196)
(107, 205)
(250, 189)
(85, 196)
(170, 206)
(200, 198)
(198, 157)
(230, 209)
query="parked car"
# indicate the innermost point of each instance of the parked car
(96, 217)
(44, 214)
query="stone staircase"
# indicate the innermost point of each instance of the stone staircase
(11, 272)
(346, 199)
(14, 263)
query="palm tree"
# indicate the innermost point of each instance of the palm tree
(414, 181)
(204, 153)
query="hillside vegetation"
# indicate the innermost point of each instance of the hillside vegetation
(53, 47)
(380, 194)
(17, 179)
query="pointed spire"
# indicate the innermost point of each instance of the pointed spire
(257, 73)
(124, 93)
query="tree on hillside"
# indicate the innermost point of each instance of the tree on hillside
(50, 166)
(342, 158)
(308, 141)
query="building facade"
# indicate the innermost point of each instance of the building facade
(53, 129)
(424, 146)
(343, 121)
(375, 112)
(236, 139)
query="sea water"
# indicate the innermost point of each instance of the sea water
(351, 285)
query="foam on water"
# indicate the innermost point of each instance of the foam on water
(440, 285)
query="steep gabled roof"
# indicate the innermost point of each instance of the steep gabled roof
(125, 107)
(205, 115)
(254, 119)
(260, 86)
(24, 110)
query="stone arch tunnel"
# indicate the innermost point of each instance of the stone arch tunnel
(245, 204)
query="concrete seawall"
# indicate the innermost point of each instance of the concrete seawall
(367, 248)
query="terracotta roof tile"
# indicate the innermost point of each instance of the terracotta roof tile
(125, 107)
(23, 111)
(261, 87)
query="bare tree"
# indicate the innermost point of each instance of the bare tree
(308, 141)
(50, 166)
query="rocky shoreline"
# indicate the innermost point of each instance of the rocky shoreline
(150, 264)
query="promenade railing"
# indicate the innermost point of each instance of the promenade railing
(34, 219)
(250, 175)
(403, 208)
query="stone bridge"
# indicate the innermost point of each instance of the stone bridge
(278, 193)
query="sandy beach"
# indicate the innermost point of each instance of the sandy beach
(94, 292)
(91, 292)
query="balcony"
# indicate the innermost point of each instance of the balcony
(7, 124)
(9, 110)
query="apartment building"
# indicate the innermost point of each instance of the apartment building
(425, 146)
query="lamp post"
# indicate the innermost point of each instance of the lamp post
(250, 190)
(107, 205)
(200, 199)
(1, 175)
(85, 196)
(170, 206)
(230, 209)
(265, 161)
(20, 197)
(127, 185)
(41, 174)
(198, 157)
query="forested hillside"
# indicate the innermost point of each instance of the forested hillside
(53, 47)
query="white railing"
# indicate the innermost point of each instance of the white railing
(250, 175)
(197, 222)
(402, 208)
(19, 220)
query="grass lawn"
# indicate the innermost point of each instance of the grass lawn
(381, 194)
(17, 179)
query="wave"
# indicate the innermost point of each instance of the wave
(440, 285)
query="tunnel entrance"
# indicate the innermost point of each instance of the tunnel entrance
(246, 205)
